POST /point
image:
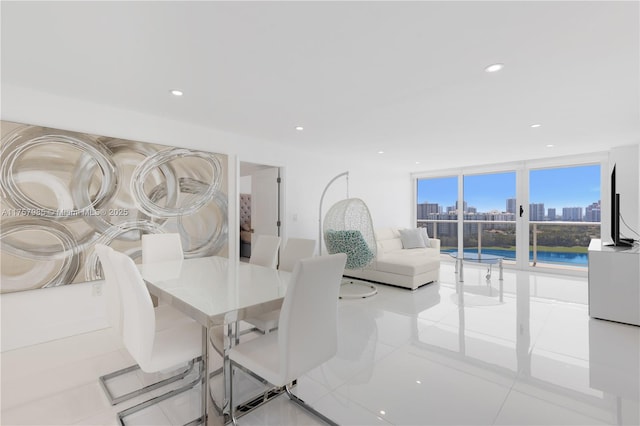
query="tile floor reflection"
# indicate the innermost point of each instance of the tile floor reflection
(524, 352)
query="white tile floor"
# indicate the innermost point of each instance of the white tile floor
(435, 356)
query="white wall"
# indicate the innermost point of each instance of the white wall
(388, 194)
(245, 185)
(34, 316)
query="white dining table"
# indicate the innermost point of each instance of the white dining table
(216, 291)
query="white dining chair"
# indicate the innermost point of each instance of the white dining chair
(265, 251)
(307, 335)
(165, 317)
(110, 287)
(154, 350)
(161, 248)
(294, 250)
(168, 248)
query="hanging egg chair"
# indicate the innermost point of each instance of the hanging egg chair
(348, 229)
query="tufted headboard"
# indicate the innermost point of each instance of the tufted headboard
(245, 212)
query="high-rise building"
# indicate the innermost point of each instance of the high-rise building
(572, 214)
(464, 207)
(426, 209)
(511, 205)
(551, 215)
(536, 211)
(592, 213)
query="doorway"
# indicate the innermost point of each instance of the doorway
(260, 204)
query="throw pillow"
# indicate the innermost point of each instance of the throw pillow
(411, 238)
(425, 237)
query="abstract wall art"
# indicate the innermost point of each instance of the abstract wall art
(63, 192)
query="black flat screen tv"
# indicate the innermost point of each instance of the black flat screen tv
(615, 216)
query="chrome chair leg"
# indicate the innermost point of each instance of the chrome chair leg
(113, 400)
(250, 405)
(232, 413)
(216, 406)
(268, 395)
(307, 407)
(167, 395)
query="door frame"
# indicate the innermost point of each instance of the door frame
(247, 168)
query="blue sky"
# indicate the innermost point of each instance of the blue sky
(562, 187)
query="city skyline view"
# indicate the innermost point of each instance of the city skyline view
(555, 188)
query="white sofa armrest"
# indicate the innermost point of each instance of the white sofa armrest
(434, 243)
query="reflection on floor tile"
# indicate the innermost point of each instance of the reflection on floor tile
(521, 352)
(522, 409)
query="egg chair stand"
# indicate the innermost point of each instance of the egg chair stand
(352, 288)
(348, 229)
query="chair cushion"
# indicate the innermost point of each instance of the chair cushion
(352, 244)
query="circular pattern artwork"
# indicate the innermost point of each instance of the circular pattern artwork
(62, 192)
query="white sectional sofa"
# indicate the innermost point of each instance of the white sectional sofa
(399, 266)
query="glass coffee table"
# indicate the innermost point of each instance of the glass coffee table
(487, 259)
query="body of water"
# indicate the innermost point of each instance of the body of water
(574, 259)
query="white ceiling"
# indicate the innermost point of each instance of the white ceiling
(406, 78)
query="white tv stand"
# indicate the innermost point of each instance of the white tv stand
(614, 283)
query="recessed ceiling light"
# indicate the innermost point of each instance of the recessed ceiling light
(535, 126)
(382, 412)
(176, 92)
(299, 128)
(550, 145)
(380, 152)
(417, 162)
(494, 67)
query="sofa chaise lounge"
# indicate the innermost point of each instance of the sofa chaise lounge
(399, 266)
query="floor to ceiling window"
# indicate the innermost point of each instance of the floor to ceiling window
(535, 214)
(437, 209)
(564, 214)
(489, 214)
